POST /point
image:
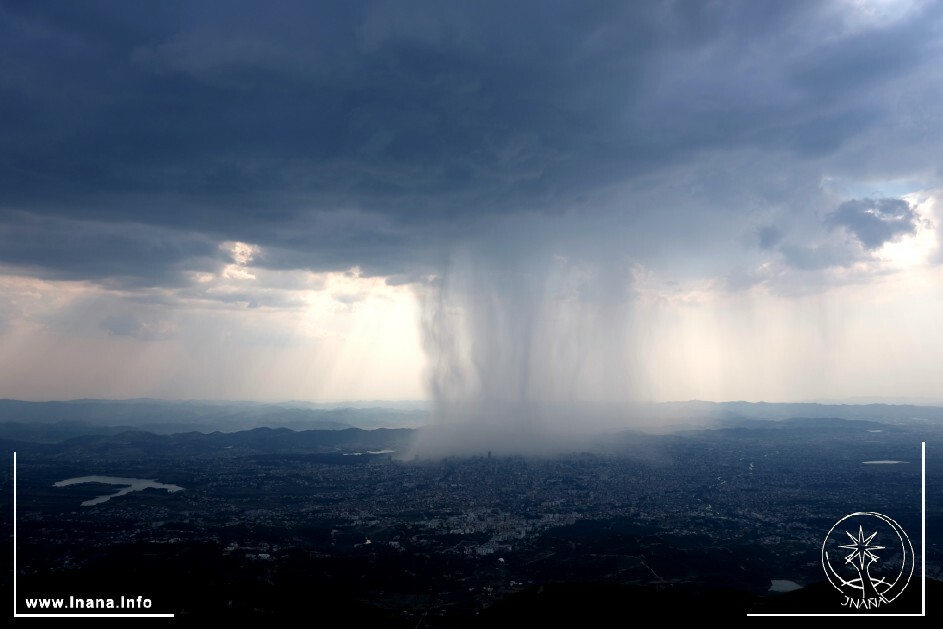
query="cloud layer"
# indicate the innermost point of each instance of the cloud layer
(232, 155)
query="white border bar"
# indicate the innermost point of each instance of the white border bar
(923, 561)
(923, 548)
(16, 599)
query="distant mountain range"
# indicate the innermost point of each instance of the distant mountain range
(723, 422)
(703, 414)
(282, 441)
(54, 421)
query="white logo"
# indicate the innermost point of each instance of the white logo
(868, 558)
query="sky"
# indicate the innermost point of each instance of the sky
(528, 203)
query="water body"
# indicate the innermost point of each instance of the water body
(782, 585)
(883, 462)
(369, 452)
(128, 485)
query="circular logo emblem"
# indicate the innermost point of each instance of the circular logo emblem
(868, 558)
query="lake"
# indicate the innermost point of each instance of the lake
(127, 486)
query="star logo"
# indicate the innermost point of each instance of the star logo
(854, 567)
(862, 549)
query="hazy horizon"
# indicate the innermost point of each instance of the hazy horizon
(864, 400)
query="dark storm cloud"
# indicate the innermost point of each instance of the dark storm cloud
(875, 221)
(374, 133)
(123, 255)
